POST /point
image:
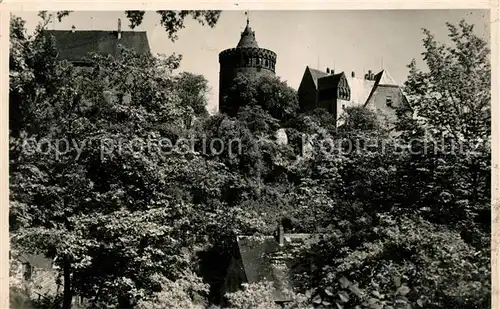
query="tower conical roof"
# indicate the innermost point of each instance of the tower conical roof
(247, 39)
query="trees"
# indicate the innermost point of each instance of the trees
(260, 296)
(35, 78)
(453, 101)
(269, 92)
(415, 189)
(193, 92)
(453, 96)
(173, 21)
(90, 183)
(136, 221)
(404, 248)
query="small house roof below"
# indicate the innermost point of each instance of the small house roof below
(258, 256)
(36, 260)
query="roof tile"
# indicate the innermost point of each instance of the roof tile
(75, 46)
(316, 74)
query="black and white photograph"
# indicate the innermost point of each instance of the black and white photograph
(250, 159)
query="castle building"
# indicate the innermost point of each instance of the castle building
(246, 57)
(318, 89)
(335, 92)
(75, 45)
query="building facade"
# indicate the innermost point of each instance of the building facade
(246, 57)
(335, 92)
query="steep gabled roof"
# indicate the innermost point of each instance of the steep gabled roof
(36, 260)
(385, 79)
(360, 87)
(257, 257)
(316, 74)
(45, 273)
(330, 80)
(75, 46)
(258, 267)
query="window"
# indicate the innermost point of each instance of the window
(266, 63)
(388, 101)
(258, 61)
(343, 94)
(343, 106)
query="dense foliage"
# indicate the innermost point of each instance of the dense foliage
(118, 173)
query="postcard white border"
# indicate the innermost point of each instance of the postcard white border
(94, 5)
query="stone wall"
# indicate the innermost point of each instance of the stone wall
(385, 100)
(242, 60)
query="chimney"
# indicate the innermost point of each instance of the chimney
(73, 28)
(119, 28)
(328, 70)
(370, 75)
(281, 234)
(332, 72)
(353, 74)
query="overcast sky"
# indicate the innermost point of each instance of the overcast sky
(344, 40)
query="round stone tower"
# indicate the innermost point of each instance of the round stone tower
(247, 57)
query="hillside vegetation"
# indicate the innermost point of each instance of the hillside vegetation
(139, 193)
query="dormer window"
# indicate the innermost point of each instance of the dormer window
(388, 101)
(343, 94)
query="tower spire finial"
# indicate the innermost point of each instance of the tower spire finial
(248, 17)
(247, 36)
